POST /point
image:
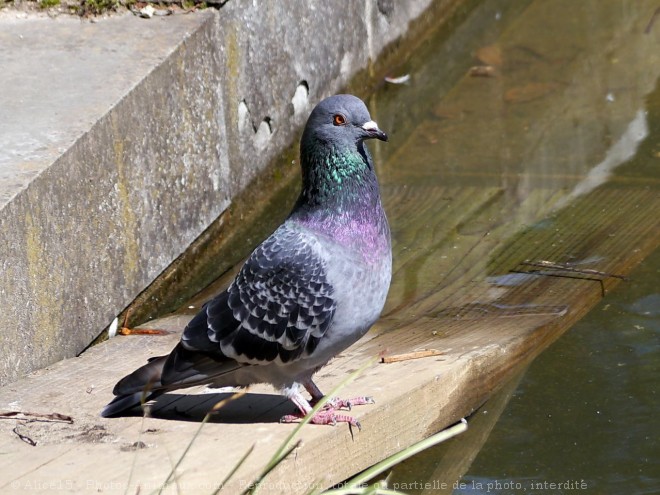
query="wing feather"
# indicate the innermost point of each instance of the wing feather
(277, 309)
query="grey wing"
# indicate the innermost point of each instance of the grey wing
(277, 309)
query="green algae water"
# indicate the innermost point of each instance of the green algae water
(585, 413)
(560, 97)
(582, 418)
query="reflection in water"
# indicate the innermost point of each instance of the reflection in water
(474, 162)
(622, 151)
(484, 174)
(547, 160)
(596, 423)
(578, 267)
(495, 310)
(514, 279)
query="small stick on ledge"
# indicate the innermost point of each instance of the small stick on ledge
(395, 358)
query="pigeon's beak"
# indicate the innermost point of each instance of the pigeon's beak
(373, 131)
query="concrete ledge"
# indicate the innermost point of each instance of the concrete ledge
(123, 139)
(86, 230)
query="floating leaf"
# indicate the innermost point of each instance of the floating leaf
(529, 92)
(490, 55)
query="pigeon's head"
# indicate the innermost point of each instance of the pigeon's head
(341, 120)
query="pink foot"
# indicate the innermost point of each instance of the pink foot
(328, 415)
(337, 403)
(323, 417)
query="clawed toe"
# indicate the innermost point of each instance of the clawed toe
(324, 418)
(336, 403)
(330, 413)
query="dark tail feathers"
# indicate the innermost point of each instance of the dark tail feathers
(141, 385)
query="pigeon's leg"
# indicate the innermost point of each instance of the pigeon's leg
(335, 402)
(322, 417)
(313, 390)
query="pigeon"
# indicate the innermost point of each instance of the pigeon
(306, 293)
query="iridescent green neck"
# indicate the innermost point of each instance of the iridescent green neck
(340, 199)
(337, 180)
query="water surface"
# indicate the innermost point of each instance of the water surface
(570, 106)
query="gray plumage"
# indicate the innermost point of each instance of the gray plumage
(309, 291)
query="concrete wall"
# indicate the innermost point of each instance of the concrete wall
(174, 118)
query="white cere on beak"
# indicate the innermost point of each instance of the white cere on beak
(370, 126)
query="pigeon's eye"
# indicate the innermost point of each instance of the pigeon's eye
(339, 119)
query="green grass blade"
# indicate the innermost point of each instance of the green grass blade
(170, 476)
(215, 408)
(283, 450)
(317, 407)
(387, 463)
(254, 486)
(134, 463)
(233, 470)
(368, 490)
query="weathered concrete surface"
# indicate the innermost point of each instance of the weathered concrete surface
(105, 127)
(280, 65)
(123, 139)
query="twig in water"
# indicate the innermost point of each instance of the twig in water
(652, 21)
(567, 268)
